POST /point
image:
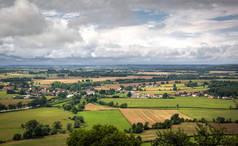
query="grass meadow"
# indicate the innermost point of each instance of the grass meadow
(113, 117)
(184, 102)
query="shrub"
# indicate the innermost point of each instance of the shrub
(76, 124)
(69, 127)
(57, 125)
(17, 136)
(124, 105)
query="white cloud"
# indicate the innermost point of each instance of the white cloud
(23, 18)
(111, 30)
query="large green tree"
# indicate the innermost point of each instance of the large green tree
(105, 135)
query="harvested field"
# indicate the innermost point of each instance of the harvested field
(74, 80)
(149, 115)
(221, 72)
(92, 107)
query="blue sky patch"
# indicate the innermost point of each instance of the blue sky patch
(150, 15)
(225, 18)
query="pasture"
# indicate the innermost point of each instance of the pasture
(10, 123)
(209, 114)
(58, 140)
(183, 102)
(149, 115)
(112, 117)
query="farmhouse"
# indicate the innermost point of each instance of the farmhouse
(210, 96)
(70, 95)
(90, 92)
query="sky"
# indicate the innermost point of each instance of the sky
(107, 32)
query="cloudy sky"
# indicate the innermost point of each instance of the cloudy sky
(118, 32)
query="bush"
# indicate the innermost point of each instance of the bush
(137, 128)
(76, 124)
(124, 105)
(79, 118)
(17, 136)
(1, 141)
(57, 125)
(34, 129)
(69, 127)
(146, 126)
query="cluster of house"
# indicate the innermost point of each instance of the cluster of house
(33, 92)
(136, 94)
(25, 97)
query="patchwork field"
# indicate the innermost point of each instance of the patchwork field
(76, 79)
(10, 123)
(149, 115)
(92, 107)
(209, 114)
(184, 102)
(168, 88)
(112, 117)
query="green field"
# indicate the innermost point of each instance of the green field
(10, 123)
(58, 140)
(187, 102)
(113, 117)
(209, 114)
